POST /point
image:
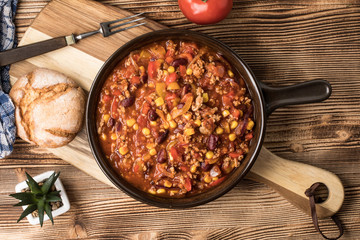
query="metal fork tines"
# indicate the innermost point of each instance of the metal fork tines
(107, 28)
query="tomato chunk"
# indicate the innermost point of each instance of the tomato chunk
(153, 68)
(106, 98)
(172, 77)
(187, 184)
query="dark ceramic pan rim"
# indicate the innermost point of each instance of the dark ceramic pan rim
(267, 100)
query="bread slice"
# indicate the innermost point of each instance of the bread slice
(49, 108)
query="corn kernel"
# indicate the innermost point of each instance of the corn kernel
(171, 69)
(150, 145)
(146, 131)
(159, 101)
(219, 130)
(166, 125)
(209, 155)
(250, 125)
(205, 97)
(165, 72)
(197, 122)
(113, 136)
(234, 124)
(142, 69)
(123, 150)
(152, 152)
(230, 73)
(161, 191)
(172, 124)
(146, 157)
(232, 137)
(130, 122)
(152, 191)
(173, 192)
(103, 136)
(226, 113)
(168, 117)
(167, 184)
(207, 179)
(136, 126)
(189, 131)
(187, 116)
(106, 117)
(193, 169)
(215, 178)
(153, 123)
(189, 71)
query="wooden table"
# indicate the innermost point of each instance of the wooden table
(284, 42)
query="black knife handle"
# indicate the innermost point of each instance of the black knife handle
(31, 50)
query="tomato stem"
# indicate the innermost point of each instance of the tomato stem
(204, 1)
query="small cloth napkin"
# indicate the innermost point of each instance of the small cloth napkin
(7, 109)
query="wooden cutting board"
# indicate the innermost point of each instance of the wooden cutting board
(82, 61)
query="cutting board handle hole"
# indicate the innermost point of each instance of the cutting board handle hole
(321, 193)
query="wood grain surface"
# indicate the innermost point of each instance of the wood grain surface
(284, 42)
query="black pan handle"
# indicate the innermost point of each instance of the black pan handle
(307, 92)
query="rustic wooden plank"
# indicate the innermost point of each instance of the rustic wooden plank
(283, 42)
(103, 212)
(88, 55)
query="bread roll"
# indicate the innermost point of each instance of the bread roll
(49, 108)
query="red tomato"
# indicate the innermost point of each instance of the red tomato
(235, 113)
(174, 153)
(116, 92)
(217, 181)
(185, 168)
(249, 136)
(114, 106)
(171, 78)
(106, 98)
(235, 154)
(205, 11)
(170, 96)
(153, 68)
(182, 70)
(135, 80)
(187, 184)
(136, 168)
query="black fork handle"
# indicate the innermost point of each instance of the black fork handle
(31, 50)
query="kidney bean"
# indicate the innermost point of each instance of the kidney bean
(162, 156)
(111, 122)
(152, 115)
(186, 89)
(178, 62)
(215, 171)
(180, 105)
(118, 126)
(212, 142)
(162, 136)
(206, 167)
(127, 102)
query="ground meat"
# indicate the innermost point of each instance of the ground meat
(207, 126)
(198, 68)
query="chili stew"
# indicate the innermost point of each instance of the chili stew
(173, 119)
